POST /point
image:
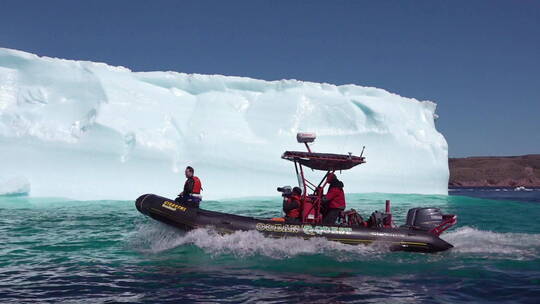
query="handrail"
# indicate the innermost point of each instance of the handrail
(449, 220)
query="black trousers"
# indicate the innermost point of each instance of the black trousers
(188, 200)
(331, 216)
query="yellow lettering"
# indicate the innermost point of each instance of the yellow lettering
(172, 206)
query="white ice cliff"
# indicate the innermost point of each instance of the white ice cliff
(92, 131)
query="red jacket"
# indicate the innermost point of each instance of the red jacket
(336, 198)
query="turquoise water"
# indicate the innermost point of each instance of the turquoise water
(58, 250)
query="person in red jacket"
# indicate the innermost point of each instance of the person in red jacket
(191, 195)
(334, 200)
(292, 206)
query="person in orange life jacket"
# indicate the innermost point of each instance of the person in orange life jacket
(292, 206)
(191, 195)
(334, 200)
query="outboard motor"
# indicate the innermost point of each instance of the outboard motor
(424, 218)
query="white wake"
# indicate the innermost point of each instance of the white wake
(156, 238)
(491, 244)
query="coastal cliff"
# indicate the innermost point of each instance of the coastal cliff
(489, 171)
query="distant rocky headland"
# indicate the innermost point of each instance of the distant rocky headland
(491, 171)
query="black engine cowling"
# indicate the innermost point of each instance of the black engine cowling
(424, 218)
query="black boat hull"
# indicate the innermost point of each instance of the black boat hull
(187, 218)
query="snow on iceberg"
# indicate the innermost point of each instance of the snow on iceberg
(14, 186)
(89, 130)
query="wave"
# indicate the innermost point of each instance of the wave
(495, 244)
(155, 238)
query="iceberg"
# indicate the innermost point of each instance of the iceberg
(89, 130)
(14, 186)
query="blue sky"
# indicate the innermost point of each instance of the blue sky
(479, 60)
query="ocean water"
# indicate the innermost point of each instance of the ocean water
(60, 250)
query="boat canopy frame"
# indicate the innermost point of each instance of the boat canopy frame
(317, 161)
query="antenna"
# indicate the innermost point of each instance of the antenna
(362, 151)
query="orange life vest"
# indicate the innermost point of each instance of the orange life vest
(197, 186)
(294, 213)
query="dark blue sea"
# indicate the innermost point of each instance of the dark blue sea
(55, 250)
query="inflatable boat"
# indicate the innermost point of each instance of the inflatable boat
(420, 233)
